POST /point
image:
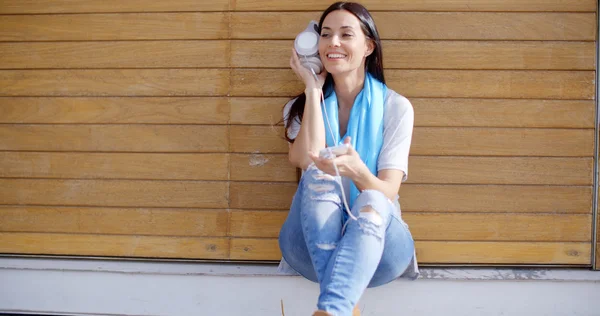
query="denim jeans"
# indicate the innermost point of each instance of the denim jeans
(369, 252)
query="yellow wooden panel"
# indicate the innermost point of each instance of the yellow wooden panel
(496, 198)
(440, 252)
(258, 167)
(114, 166)
(258, 195)
(502, 142)
(503, 113)
(428, 5)
(439, 55)
(597, 266)
(256, 223)
(448, 112)
(447, 226)
(256, 110)
(119, 221)
(114, 246)
(439, 198)
(492, 170)
(431, 26)
(118, 193)
(115, 82)
(124, 26)
(70, 6)
(437, 83)
(134, 54)
(149, 110)
(447, 141)
(257, 139)
(127, 138)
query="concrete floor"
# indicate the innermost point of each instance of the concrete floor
(94, 287)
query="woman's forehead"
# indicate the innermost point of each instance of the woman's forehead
(340, 19)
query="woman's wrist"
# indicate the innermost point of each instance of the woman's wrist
(312, 91)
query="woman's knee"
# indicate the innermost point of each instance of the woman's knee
(373, 206)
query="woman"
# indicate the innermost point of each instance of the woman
(368, 244)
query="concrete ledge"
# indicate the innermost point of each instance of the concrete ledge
(102, 287)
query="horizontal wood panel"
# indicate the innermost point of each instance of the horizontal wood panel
(449, 112)
(123, 26)
(127, 138)
(121, 221)
(431, 26)
(69, 6)
(503, 113)
(437, 83)
(444, 226)
(257, 195)
(443, 170)
(115, 110)
(441, 252)
(487, 170)
(495, 198)
(114, 166)
(439, 55)
(139, 54)
(439, 198)
(420, 5)
(502, 142)
(447, 141)
(115, 246)
(112, 82)
(118, 193)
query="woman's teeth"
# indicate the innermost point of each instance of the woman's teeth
(336, 56)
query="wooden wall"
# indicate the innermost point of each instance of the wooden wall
(145, 128)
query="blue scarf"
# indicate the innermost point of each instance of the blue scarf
(365, 124)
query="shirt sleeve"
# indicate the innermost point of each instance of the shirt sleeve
(293, 130)
(397, 134)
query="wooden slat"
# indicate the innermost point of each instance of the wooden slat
(115, 246)
(420, 5)
(113, 82)
(447, 226)
(431, 26)
(114, 166)
(127, 138)
(256, 110)
(597, 266)
(144, 54)
(120, 221)
(450, 252)
(448, 112)
(437, 83)
(123, 26)
(439, 198)
(117, 193)
(503, 113)
(439, 55)
(447, 141)
(119, 110)
(441, 170)
(502, 142)
(490, 170)
(257, 195)
(495, 198)
(258, 167)
(69, 6)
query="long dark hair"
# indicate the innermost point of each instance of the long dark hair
(373, 63)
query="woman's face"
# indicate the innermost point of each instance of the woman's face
(343, 46)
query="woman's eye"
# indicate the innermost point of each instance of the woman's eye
(347, 35)
(324, 35)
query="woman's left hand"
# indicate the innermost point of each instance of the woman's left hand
(348, 164)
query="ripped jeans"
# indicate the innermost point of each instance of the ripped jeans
(370, 252)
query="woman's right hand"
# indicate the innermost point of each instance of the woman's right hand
(306, 74)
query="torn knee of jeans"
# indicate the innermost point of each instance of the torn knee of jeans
(321, 187)
(323, 176)
(326, 246)
(371, 215)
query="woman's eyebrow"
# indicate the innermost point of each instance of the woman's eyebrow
(343, 27)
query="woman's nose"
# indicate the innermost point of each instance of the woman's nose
(335, 41)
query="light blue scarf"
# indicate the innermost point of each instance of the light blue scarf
(365, 125)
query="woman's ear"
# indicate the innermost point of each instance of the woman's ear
(370, 47)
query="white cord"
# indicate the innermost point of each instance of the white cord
(337, 172)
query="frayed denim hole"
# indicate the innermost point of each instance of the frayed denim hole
(327, 246)
(370, 221)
